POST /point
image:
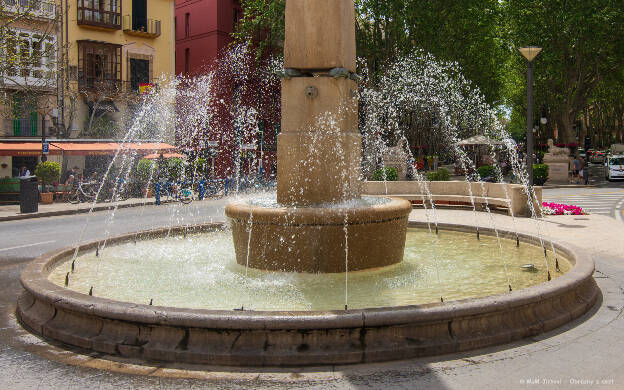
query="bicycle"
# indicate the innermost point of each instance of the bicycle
(83, 192)
(172, 191)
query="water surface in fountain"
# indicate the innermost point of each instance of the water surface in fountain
(200, 271)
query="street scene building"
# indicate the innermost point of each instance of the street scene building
(319, 194)
(80, 70)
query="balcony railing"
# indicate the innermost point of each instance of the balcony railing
(105, 86)
(105, 14)
(31, 8)
(142, 27)
(21, 127)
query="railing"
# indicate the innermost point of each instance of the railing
(141, 26)
(105, 14)
(31, 8)
(20, 127)
(103, 85)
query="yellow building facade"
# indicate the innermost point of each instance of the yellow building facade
(115, 50)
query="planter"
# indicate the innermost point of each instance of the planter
(46, 197)
(149, 193)
(539, 181)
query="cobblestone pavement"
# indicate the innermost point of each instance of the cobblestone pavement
(582, 354)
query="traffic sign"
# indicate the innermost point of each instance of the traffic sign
(45, 147)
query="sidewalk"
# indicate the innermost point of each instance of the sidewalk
(12, 212)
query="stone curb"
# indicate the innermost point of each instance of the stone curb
(288, 338)
(18, 216)
(555, 186)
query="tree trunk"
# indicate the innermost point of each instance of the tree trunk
(565, 127)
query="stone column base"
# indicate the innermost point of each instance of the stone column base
(319, 239)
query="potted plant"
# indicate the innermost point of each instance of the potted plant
(540, 174)
(48, 172)
(144, 170)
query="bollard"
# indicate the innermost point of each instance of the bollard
(157, 193)
(202, 189)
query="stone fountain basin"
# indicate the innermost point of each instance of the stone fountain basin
(295, 338)
(312, 239)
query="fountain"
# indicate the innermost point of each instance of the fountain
(271, 294)
(319, 161)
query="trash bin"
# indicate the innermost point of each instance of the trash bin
(29, 194)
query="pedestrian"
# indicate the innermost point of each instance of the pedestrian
(577, 168)
(69, 177)
(583, 172)
(23, 172)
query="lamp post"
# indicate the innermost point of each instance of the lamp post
(530, 52)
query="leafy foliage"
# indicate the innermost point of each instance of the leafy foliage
(439, 175)
(540, 173)
(48, 172)
(387, 174)
(486, 171)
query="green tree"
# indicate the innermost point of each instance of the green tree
(581, 41)
(464, 31)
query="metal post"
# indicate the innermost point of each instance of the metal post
(529, 131)
(44, 158)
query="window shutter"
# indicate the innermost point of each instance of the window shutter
(33, 123)
(16, 115)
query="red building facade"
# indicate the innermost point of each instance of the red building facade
(203, 33)
(202, 29)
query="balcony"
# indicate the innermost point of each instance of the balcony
(21, 127)
(104, 14)
(148, 28)
(31, 8)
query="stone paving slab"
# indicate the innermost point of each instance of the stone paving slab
(573, 356)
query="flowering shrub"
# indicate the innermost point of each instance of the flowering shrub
(561, 209)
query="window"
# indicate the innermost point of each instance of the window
(139, 15)
(99, 65)
(30, 58)
(139, 73)
(187, 60)
(187, 25)
(102, 13)
(24, 116)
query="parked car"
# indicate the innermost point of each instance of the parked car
(614, 167)
(597, 157)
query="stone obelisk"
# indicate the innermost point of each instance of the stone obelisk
(318, 156)
(319, 148)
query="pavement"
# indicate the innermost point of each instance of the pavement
(585, 353)
(12, 212)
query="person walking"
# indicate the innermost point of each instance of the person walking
(577, 168)
(583, 172)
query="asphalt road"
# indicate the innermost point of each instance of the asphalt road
(607, 198)
(26, 239)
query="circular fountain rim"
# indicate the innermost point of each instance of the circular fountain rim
(34, 279)
(318, 214)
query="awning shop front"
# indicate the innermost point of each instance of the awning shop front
(83, 148)
(110, 148)
(25, 149)
(87, 149)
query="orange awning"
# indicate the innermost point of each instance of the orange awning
(155, 156)
(83, 148)
(87, 149)
(25, 149)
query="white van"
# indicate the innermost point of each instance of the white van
(614, 167)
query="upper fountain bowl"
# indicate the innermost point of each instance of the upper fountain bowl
(358, 235)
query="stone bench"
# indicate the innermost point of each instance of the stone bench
(496, 195)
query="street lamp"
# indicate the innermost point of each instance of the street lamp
(530, 52)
